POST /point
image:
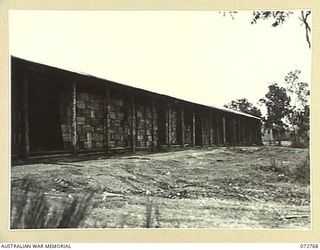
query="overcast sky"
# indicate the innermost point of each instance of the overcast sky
(199, 56)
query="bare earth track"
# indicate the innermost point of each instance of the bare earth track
(234, 188)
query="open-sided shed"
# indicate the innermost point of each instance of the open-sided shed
(55, 111)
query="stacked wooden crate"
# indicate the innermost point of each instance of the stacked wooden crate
(144, 125)
(90, 120)
(118, 122)
(173, 126)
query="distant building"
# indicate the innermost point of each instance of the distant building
(275, 135)
(54, 111)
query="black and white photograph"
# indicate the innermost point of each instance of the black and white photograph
(160, 119)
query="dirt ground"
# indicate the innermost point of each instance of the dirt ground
(231, 188)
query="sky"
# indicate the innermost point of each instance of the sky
(199, 56)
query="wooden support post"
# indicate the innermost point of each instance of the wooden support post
(253, 132)
(239, 131)
(25, 119)
(166, 126)
(193, 129)
(202, 130)
(152, 124)
(137, 121)
(243, 131)
(182, 127)
(74, 136)
(218, 129)
(234, 132)
(213, 129)
(169, 126)
(210, 129)
(224, 141)
(250, 132)
(133, 125)
(145, 127)
(107, 125)
(259, 133)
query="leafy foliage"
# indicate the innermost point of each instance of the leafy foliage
(301, 171)
(278, 105)
(278, 17)
(292, 104)
(298, 89)
(228, 13)
(300, 111)
(245, 106)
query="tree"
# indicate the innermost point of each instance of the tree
(278, 105)
(245, 106)
(300, 110)
(299, 90)
(278, 18)
(304, 19)
(289, 107)
(299, 119)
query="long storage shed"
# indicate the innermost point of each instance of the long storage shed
(58, 111)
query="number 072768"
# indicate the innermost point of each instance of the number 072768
(309, 246)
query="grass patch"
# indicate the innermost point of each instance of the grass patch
(152, 214)
(31, 210)
(302, 170)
